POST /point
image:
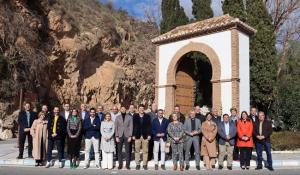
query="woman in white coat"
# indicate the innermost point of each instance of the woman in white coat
(107, 141)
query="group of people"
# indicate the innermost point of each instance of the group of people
(105, 133)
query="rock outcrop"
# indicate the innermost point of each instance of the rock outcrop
(80, 51)
(75, 51)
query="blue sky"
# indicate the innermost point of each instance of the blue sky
(136, 8)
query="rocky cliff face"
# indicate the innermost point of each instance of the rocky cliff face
(80, 51)
(77, 51)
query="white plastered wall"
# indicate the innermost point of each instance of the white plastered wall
(221, 44)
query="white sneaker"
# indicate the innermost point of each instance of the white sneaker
(86, 167)
(48, 165)
(61, 165)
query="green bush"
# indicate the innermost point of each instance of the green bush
(285, 140)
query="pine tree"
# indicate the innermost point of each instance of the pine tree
(202, 72)
(234, 8)
(263, 60)
(172, 15)
(202, 9)
(289, 87)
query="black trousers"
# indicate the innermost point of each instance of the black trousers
(124, 140)
(245, 156)
(22, 138)
(58, 143)
(63, 142)
(150, 147)
(236, 153)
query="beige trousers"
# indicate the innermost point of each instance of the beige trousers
(141, 143)
(223, 149)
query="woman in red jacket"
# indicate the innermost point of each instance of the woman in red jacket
(245, 140)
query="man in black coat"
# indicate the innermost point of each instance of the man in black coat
(66, 113)
(131, 110)
(234, 117)
(46, 111)
(181, 116)
(141, 136)
(57, 128)
(199, 116)
(253, 116)
(262, 132)
(25, 120)
(217, 119)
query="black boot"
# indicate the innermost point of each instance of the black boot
(259, 167)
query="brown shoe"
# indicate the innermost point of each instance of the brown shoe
(175, 167)
(181, 167)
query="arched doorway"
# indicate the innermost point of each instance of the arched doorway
(225, 41)
(175, 65)
(193, 81)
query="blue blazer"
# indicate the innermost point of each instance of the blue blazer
(159, 128)
(91, 129)
(222, 133)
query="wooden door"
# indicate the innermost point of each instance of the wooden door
(184, 92)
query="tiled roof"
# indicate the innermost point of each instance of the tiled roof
(211, 25)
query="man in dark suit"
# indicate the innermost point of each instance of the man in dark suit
(253, 114)
(199, 116)
(100, 115)
(25, 120)
(57, 128)
(131, 110)
(153, 113)
(263, 132)
(123, 133)
(216, 118)
(66, 113)
(141, 136)
(46, 111)
(234, 117)
(227, 133)
(159, 132)
(181, 116)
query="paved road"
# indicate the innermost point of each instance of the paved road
(12, 170)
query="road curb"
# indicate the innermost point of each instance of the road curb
(168, 164)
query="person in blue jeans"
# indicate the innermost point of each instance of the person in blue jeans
(263, 132)
(56, 132)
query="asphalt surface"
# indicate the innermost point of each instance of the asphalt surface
(12, 170)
